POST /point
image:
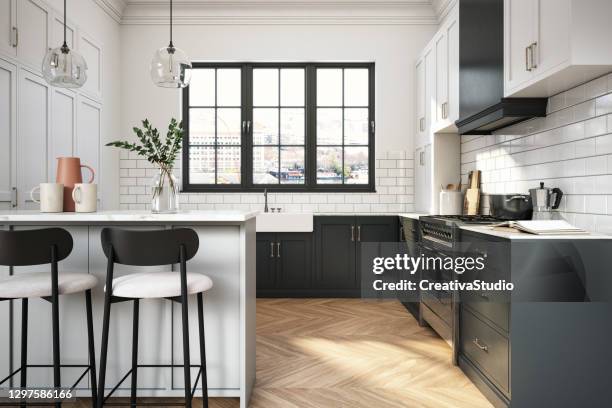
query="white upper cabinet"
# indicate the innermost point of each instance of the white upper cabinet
(33, 32)
(446, 43)
(437, 82)
(8, 29)
(553, 45)
(8, 119)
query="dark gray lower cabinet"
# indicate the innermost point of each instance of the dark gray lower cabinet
(322, 264)
(284, 264)
(547, 344)
(338, 251)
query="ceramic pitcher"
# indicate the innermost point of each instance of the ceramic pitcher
(69, 174)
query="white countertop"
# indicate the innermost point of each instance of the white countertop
(127, 216)
(525, 236)
(414, 216)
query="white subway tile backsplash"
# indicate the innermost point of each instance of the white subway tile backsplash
(394, 173)
(570, 148)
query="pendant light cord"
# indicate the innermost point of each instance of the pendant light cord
(171, 45)
(65, 49)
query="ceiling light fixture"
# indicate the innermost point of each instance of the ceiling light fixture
(170, 68)
(63, 67)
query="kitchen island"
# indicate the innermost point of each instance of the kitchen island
(226, 254)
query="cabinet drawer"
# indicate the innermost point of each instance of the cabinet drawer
(490, 306)
(486, 348)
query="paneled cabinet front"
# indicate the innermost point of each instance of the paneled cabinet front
(284, 264)
(338, 250)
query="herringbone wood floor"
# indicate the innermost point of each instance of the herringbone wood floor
(328, 353)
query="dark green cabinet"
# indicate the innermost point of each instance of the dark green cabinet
(284, 264)
(338, 251)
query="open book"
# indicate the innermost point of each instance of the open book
(543, 227)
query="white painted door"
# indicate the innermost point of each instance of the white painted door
(8, 119)
(33, 25)
(33, 128)
(552, 40)
(519, 33)
(429, 188)
(154, 346)
(88, 134)
(73, 323)
(441, 46)
(452, 38)
(420, 100)
(8, 30)
(63, 123)
(419, 179)
(430, 92)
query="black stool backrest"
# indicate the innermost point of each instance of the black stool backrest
(149, 248)
(34, 247)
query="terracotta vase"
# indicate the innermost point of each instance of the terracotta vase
(69, 174)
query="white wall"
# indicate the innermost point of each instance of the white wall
(571, 149)
(392, 47)
(104, 30)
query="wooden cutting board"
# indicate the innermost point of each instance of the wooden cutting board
(471, 201)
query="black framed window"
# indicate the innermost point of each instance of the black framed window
(285, 127)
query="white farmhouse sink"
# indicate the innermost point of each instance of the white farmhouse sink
(284, 222)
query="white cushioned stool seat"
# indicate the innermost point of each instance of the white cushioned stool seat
(38, 284)
(158, 284)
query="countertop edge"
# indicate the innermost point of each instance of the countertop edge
(486, 230)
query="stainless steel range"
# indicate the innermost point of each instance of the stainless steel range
(439, 237)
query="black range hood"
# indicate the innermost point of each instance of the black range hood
(482, 106)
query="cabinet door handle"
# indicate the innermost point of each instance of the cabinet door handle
(359, 233)
(402, 235)
(481, 346)
(527, 64)
(532, 49)
(271, 249)
(15, 37)
(14, 197)
(278, 249)
(352, 233)
(373, 126)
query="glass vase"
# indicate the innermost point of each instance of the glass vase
(164, 193)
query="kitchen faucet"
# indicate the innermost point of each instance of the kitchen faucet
(266, 199)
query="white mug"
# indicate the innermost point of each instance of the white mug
(51, 197)
(85, 196)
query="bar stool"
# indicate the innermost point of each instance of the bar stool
(38, 247)
(153, 248)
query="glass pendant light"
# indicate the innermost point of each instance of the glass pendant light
(170, 68)
(64, 68)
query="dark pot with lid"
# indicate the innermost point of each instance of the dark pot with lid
(510, 206)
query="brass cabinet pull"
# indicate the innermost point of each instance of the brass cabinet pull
(481, 346)
(14, 197)
(278, 249)
(271, 249)
(352, 233)
(16, 37)
(359, 233)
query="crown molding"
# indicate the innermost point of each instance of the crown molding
(282, 12)
(442, 8)
(279, 12)
(114, 8)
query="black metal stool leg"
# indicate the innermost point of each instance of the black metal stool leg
(57, 382)
(202, 351)
(104, 350)
(134, 354)
(92, 350)
(24, 343)
(186, 359)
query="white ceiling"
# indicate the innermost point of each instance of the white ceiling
(279, 11)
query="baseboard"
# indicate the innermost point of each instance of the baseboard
(488, 389)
